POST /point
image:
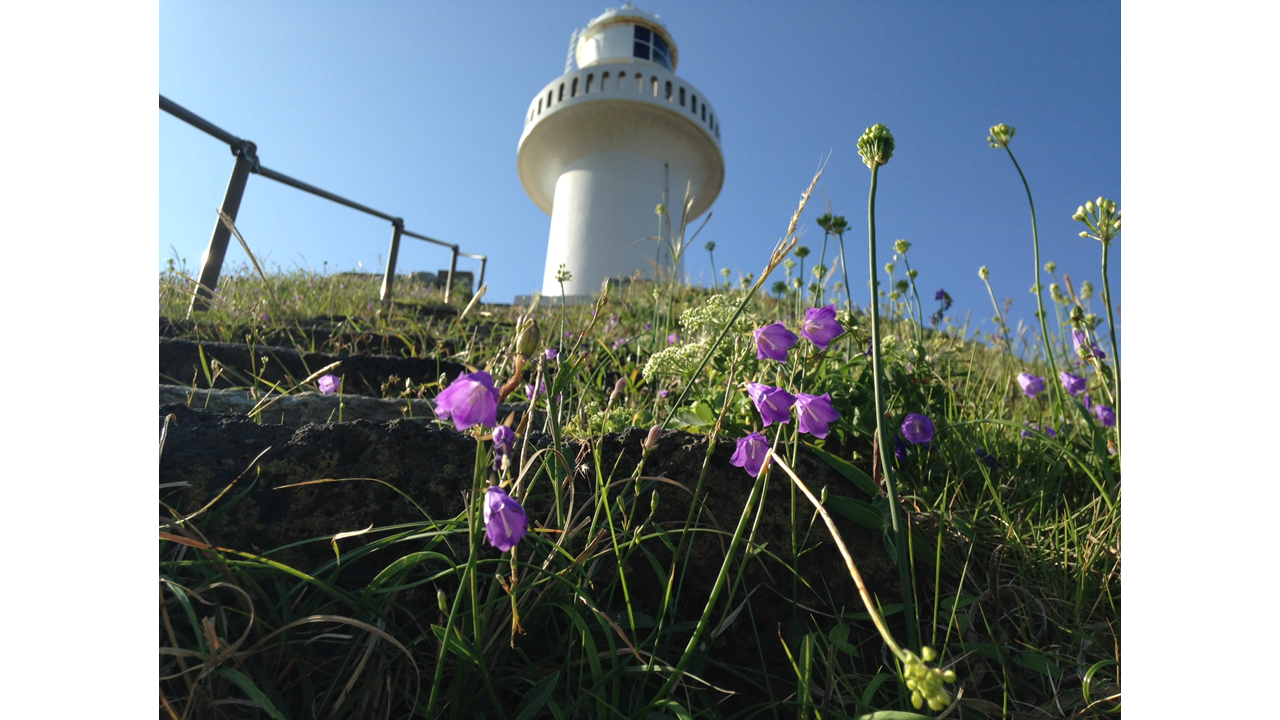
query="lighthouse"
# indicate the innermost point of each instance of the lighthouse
(608, 141)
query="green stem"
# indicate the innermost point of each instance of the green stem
(848, 300)
(1044, 328)
(1111, 327)
(877, 372)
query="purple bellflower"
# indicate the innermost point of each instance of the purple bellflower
(820, 326)
(1031, 385)
(773, 403)
(328, 384)
(1080, 339)
(504, 441)
(899, 449)
(815, 413)
(1087, 401)
(773, 342)
(1105, 415)
(1046, 429)
(751, 453)
(917, 428)
(1073, 383)
(943, 297)
(673, 338)
(552, 353)
(470, 400)
(664, 393)
(987, 458)
(504, 520)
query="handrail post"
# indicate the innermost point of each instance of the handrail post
(389, 277)
(453, 267)
(483, 261)
(211, 267)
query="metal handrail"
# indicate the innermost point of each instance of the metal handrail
(247, 162)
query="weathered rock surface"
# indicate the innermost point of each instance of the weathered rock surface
(181, 364)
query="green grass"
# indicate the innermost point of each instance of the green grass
(1014, 568)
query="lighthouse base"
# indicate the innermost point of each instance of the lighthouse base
(604, 224)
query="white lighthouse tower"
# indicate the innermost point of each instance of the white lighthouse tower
(604, 144)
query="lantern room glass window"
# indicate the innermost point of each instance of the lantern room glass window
(652, 47)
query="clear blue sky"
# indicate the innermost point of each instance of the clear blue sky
(416, 109)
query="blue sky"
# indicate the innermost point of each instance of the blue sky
(416, 109)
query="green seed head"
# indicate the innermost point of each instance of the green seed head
(912, 274)
(983, 272)
(711, 246)
(1000, 135)
(1086, 290)
(902, 246)
(660, 209)
(802, 252)
(1050, 266)
(876, 145)
(888, 268)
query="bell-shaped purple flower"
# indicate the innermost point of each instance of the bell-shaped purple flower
(470, 400)
(820, 326)
(987, 458)
(773, 341)
(1031, 385)
(328, 384)
(1105, 415)
(504, 441)
(504, 520)
(773, 403)
(551, 353)
(815, 413)
(1073, 383)
(917, 428)
(750, 453)
(1080, 339)
(899, 449)
(1087, 401)
(1046, 429)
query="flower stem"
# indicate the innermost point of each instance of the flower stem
(877, 372)
(1111, 327)
(1035, 243)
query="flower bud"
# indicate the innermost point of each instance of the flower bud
(876, 145)
(618, 387)
(1000, 136)
(983, 272)
(902, 246)
(660, 209)
(653, 503)
(888, 268)
(1079, 214)
(1050, 266)
(529, 338)
(443, 601)
(651, 441)
(1089, 207)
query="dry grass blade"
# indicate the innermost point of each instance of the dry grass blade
(218, 497)
(263, 404)
(844, 551)
(231, 225)
(417, 673)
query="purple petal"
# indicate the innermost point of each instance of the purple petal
(505, 522)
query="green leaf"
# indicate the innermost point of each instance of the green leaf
(847, 469)
(536, 698)
(243, 682)
(1039, 663)
(860, 512)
